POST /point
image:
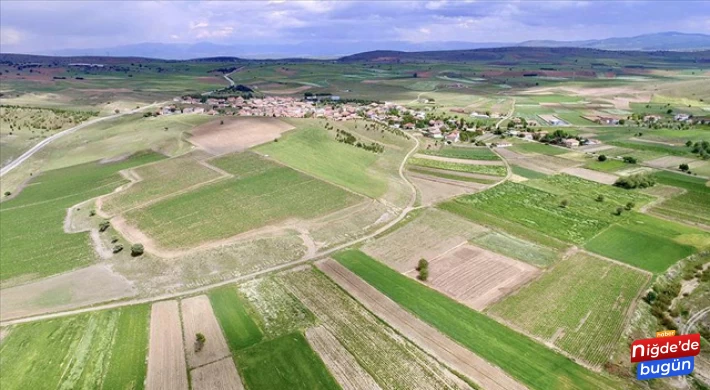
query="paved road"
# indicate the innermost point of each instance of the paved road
(201, 289)
(14, 164)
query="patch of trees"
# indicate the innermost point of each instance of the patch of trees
(702, 149)
(423, 270)
(660, 298)
(556, 137)
(347, 138)
(639, 180)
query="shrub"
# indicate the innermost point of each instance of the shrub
(619, 210)
(137, 250)
(630, 206)
(104, 225)
(601, 157)
(639, 180)
(423, 268)
(564, 203)
(630, 160)
(117, 248)
(8, 193)
(92, 212)
(200, 341)
(600, 198)
(114, 239)
(683, 167)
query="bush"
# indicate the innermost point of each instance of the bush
(137, 250)
(630, 160)
(114, 239)
(92, 212)
(619, 210)
(564, 203)
(639, 180)
(104, 225)
(601, 158)
(683, 167)
(423, 268)
(630, 206)
(200, 341)
(117, 248)
(600, 198)
(8, 193)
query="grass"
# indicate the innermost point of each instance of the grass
(523, 358)
(313, 150)
(541, 211)
(494, 170)
(32, 239)
(527, 173)
(470, 153)
(692, 206)
(585, 297)
(238, 327)
(536, 147)
(649, 243)
(287, 362)
(608, 165)
(517, 248)
(101, 350)
(229, 207)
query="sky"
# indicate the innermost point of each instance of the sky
(28, 26)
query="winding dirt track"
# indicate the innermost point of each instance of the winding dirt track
(426, 337)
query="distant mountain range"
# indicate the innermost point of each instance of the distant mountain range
(670, 41)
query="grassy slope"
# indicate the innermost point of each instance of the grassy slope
(590, 310)
(102, 350)
(32, 239)
(524, 359)
(287, 362)
(238, 327)
(233, 206)
(312, 150)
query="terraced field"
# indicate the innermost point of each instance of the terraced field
(229, 207)
(32, 239)
(494, 170)
(101, 350)
(159, 180)
(524, 359)
(579, 305)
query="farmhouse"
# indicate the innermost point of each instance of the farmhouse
(570, 143)
(453, 136)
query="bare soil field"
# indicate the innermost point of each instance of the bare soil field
(166, 355)
(433, 189)
(431, 234)
(341, 364)
(459, 160)
(669, 161)
(83, 287)
(237, 134)
(595, 148)
(544, 164)
(219, 375)
(429, 339)
(198, 317)
(588, 174)
(477, 277)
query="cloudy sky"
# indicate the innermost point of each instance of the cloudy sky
(36, 26)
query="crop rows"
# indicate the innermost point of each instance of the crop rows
(495, 170)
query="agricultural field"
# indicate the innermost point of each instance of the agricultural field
(493, 170)
(524, 359)
(470, 153)
(226, 208)
(237, 134)
(579, 314)
(238, 326)
(539, 148)
(540, 211)
(692, 206)
(33, 242)
(101, 350)
(159, 180)
(517, 248)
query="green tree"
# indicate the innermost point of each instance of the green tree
(601, 157)
(104, 225)
(683, 167)
(200, 341)
(137, 250)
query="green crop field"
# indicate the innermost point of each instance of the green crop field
(238, 327)
(229, 207)
(523, 358)
(527, 173)
(608, 165)
(494, 170)
(451, 176)
(517, 248)
(101, 350)
(541, 211)
(536, 147)
(649, 243)
(159, 180)
(32, 239)
(692, 206)
(470, 153)
(579, 305)
(287, 362)
(313, 150)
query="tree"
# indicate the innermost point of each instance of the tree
(137, 250)
(670, 111)
(200, 341)
(104, 225)
(683, 167)
(564, 203)
(423, 268)
(117, 248)
(630, 160)
(601, 157)
(689, 143)
(8, 193)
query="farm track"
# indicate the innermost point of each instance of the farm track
(15, 163)
(242, 278)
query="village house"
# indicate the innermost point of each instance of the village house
(570, 143)
(452, 136)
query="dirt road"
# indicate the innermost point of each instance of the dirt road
(14, 164)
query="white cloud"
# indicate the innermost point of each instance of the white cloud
(9, 36)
